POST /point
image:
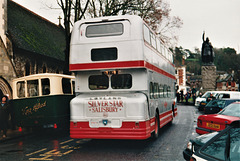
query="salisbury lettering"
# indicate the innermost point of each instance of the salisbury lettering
(105, 106)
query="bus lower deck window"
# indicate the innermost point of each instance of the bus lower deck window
(97, 82)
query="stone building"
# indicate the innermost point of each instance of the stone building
(226, 82)
(29, 44)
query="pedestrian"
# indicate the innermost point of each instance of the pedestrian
(181, 95)
(194, 94)
(178, 96)
(4, 115)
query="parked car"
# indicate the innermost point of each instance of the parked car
(194, 144)
(220, 146)
(216, 122)
(204, 97)
(217, 95)
(217, 105)
(227, 94)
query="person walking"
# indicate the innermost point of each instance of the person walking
(4, 114)
(194, 91)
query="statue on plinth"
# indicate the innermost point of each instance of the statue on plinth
(207, 51)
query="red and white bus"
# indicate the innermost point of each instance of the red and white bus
(125, 83)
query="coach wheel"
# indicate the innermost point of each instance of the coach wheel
(156, 131)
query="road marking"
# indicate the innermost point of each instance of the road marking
(36, 152)
(45, 158)
(67, 152)
(66, 141)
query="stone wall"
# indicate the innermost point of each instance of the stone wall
(209, 78)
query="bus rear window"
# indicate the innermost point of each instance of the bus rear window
(121, 81)
(21, 89)
(98, 82)
(66, 86)
(32, 86)
(113, 29)
(104, 54)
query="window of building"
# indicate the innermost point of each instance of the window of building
(121, 81)
(32, 86)
(27, 69)
(104, 30)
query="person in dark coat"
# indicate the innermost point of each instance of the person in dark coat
(4, 114)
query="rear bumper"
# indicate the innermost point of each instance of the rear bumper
(187, 154)
(129, 130)
(200, 130)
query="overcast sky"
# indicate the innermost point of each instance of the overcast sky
(220, 19)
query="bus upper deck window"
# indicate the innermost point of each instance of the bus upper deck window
(32, 86)
(104, 54)
(101, 30)
(121, 81)
(45, 86)
(66, 86)
(98, 82)
(21, 89)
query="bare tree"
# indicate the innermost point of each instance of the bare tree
(71, 8)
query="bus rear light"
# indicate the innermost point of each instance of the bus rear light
(20, 129)
(75, 124)
(137, 125)
(55, 126)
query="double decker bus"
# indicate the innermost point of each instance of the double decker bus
(125, 83)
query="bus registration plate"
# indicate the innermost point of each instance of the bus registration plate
(215, 126)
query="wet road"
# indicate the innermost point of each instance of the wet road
(57, 145)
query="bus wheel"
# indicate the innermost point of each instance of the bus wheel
(157, 124)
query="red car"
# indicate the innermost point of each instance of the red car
(219, 121)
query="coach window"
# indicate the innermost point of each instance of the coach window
(146, 34)
(121, 81)
(161, 91)
(21, 89)
(156, 90)
(32, 86)
(98, 82)
(66, 86)
(153, 40)
(45, 86)
(169, 91)
(158, 45)
(151, 90)
(165, 90)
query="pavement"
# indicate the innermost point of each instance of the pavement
(14, 134)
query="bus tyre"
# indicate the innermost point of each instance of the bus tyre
(157, 124)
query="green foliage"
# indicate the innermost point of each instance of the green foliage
(226, 59)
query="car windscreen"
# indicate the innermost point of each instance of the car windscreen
(231, 110)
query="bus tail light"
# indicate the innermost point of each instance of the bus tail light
(137, 125)
(55, 126)
(20, 129)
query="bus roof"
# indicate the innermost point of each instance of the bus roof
(43, 75)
